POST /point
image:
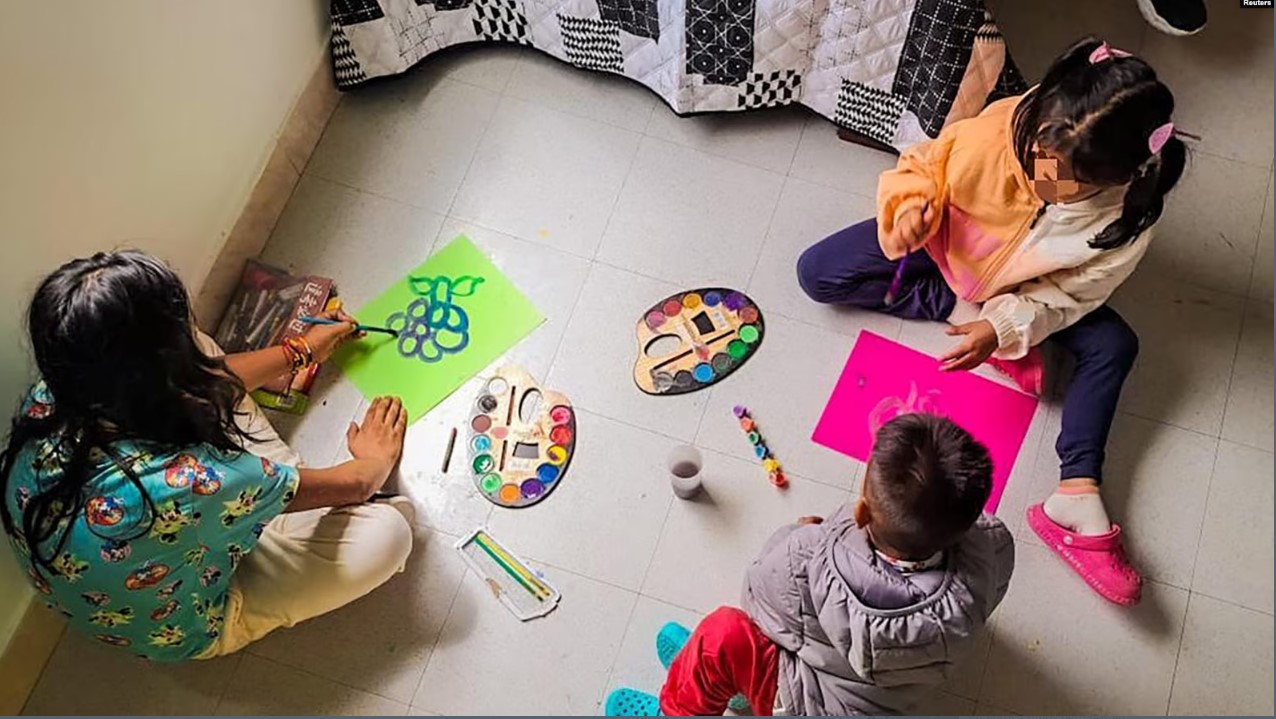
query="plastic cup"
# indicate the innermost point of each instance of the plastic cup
(685, 464)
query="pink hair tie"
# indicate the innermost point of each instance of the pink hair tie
(1160, 136)
(1106, 52)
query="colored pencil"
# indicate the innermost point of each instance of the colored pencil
(510, 570)
(488, 543)
(491, 543)
(447, 456)
(358, 327)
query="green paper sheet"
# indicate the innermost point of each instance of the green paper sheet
(455, 313)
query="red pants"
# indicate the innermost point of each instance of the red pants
(726, 655)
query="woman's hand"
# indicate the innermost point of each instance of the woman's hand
(376, 446)
(378, 442)
(325, 339)
(909, 232)
(980, 343)
(810, 519)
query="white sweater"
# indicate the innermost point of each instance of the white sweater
(1055, 278)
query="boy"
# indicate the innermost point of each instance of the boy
(862, 613)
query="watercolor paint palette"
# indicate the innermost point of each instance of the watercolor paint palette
(521, 439)
(694, 339)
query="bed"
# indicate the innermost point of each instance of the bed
(892, 72)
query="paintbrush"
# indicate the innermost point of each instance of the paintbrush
(357, 328)
(898, 280)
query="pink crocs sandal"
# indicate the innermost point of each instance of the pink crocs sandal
(1028, 372)
(1098, 559)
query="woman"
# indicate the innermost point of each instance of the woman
(150, 501)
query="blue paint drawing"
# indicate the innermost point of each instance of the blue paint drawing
(432, 326)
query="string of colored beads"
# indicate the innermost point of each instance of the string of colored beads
(772, 465)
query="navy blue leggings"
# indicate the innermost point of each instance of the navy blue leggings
(848, 268)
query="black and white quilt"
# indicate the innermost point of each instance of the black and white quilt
(896, 71)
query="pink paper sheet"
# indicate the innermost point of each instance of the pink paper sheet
(883, 379)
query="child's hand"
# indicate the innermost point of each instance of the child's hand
(980, 343)
(810, 520)
(325, 339)
(909, 232)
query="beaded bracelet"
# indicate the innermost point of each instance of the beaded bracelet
(303, 348)
(299, 353)
(293, 357)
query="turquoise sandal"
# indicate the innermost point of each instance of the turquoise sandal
(669, 641)
(632, 703)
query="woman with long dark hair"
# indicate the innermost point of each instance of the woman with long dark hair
(147, 497)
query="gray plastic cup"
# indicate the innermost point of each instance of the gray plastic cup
(685, 464)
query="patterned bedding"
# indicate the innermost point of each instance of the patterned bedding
(895, 71)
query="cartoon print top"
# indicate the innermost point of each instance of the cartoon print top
(151, 579)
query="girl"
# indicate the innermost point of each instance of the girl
(1030, 216)
(142, 490)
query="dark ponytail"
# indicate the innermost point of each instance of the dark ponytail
(1145, 197)
(1100, 116)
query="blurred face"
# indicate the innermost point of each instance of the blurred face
(1053, 179)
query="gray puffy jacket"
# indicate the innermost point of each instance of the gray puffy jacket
(859, 636)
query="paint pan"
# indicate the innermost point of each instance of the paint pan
(521, 439)
(694, 339)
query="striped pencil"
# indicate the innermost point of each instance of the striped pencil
(518, 577)
(491, 544)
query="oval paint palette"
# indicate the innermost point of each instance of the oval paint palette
(693, 339)
(521, 439)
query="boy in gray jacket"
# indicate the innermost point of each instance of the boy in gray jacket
(863, 612)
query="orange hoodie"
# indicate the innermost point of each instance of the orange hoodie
(983, 203)
(1030, 266)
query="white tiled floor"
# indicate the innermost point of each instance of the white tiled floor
(597, 201)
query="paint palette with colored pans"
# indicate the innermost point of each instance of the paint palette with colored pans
(521, 439)
(693, 339)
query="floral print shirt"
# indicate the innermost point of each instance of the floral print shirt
(149, 576)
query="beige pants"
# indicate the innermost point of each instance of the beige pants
(306, 563)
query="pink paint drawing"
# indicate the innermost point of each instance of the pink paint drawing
(883, 379)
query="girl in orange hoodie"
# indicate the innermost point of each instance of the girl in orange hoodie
(1017, 225)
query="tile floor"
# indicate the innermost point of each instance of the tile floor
(596, 200)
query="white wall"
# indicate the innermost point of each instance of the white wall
(139, 123)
